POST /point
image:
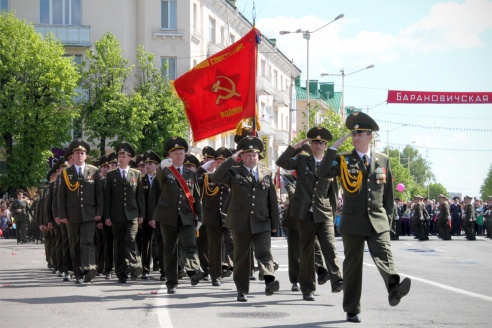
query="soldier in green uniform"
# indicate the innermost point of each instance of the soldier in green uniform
(19, 209)
(367, 203)
(252, 214)
(443, 219)
(214, 199)
(124, 210)
(178, 210)
(469, 219)
(315, 202)
(80, 205)
(419, 219)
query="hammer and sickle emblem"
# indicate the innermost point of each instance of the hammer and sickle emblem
(230, 91)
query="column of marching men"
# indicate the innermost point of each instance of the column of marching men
(122, 219)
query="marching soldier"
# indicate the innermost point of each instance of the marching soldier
(80, 205)
(468, 221)
(367, 203)
(419, 219)
(315, 201)
(62, 258)
(214, 198)
(107, 231)
(179, 213)
(124, 209)
(252, 215)
(443, 218)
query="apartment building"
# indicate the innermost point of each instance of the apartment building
(180, 33)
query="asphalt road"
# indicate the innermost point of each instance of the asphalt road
(451, 286)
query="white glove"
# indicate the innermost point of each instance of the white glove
(167, 162)
(198, 225)
(449, 217)
(208, 165)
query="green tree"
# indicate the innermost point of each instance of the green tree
(435, 189)
(419, 167)
(486, 188)
(165, 109)
(37, 86)
(328, 119)
(108, 111)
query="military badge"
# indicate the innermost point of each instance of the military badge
(380, 175)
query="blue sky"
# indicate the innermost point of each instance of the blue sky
(414, 45)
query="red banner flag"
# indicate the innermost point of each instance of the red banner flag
(437, 97)
(221, 90)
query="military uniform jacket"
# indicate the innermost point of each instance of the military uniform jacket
(456, 211)
(124, 200)
(289, 221)
(49, 199)
(172, 202)
(23, 214)
(371, 206)
(85, 202)
(420, 213)
(443, 212)
(470, 213)
(146, 190)
(213, 205)
(54, 202)
(253, 207)
(313, 192)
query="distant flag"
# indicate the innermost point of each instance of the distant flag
(278, 179)
(220, 91)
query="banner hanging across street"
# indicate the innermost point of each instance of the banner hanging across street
(438, 97)
(221, 90)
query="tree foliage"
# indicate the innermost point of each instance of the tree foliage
(37, 86)
(108, 111)
(435, 189)
(165, 109)
(486, 188)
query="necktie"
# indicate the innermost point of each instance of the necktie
(366, 161)
(252, 175)
(179, 170)
(124, 175)
(317, 165)
(150, 179)
(80, 173)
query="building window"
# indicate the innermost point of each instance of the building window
(232, 38)
(275, 79)
(262, 67)
(60, 12)
(4, 5)
(195, 18)
(168, 67)
(222, 35)
(269, 72)
(212, 30)
(168, 14)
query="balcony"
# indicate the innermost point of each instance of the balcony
(281, 99)
(69, 35)
(264, 86)
(281, 138)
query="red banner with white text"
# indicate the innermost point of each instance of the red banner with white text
(438, 97)
(221, 90)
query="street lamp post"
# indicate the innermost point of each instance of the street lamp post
(307, 35)
(387, 137)
(399, 152)
(342, 74)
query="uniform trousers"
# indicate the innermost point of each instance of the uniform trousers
(108, 249)
(100, 249)
(308, 231)
(21, 230)
(294, 256)
(82, 249)
(186, 236)
(442, 227)
(58, 250)
(126, 251)
(66, 263)
(147, 234)
(48, 235)
(202, 245)
(218, 236)
(379, 248)
(242, 262)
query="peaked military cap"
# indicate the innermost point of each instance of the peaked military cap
(79, 144)
(319, 133)
(418, 196)
(103, 160)
(132, 164)
(208, 152)
(151, 156)
(249, 144)
(305, 150)
(222, 153)
(113, 158)
(456, 197)
(442, 196)
(360, 122)
(48, 176)
(176, 143)
(61, 163)
(67, 154)
(191, 160)
(140, 160)
(126, 148)
(468, 197)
